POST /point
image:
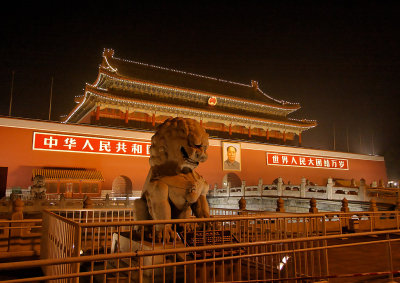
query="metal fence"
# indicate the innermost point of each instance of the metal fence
(100, 245)
(287, 260)
(229, 241)
(19, 238)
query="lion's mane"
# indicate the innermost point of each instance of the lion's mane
(173, 140)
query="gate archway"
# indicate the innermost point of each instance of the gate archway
(233, 179)
(122, 185)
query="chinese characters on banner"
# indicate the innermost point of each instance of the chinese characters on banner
(69, 143)
(283, 159)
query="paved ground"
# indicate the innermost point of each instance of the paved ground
(21, 273)
(359, 259)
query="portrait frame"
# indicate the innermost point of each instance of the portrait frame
(226, 164)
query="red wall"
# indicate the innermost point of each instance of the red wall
(16, 153)
(254, 166)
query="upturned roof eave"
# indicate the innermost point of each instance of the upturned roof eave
(80, 110)
(105, 73)
(112, 71)
(304, 124)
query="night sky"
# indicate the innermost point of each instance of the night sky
(338, 59)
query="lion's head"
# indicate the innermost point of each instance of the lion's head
(39, 181)
(178, 145)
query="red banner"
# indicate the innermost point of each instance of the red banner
(82, 144)
(283, 159)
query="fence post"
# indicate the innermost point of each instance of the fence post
(77, 250)
(397, 203)
(14, 239)
(390, 259)
(87, 202)
(372, 205)
(280, 187)
(242, 204)
(303, 188)
(141, 269)
(345, 209)
(61, 203)
(260, 186)
(345, 205)
(329, 188)
(362, 191)
(45, 251)
(373, 218)
(313, 206)
(280, 205)
(107, 201)
(244, 187)
(127, 201)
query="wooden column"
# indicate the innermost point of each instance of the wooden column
(284, 136)
(299, 138)
(230, 129)
(201, 122)
(97, 113)
(249, 132)
(126, 116)
(153, 120)
(267, 134)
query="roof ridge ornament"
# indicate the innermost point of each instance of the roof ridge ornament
(108, 53)
(180, 72)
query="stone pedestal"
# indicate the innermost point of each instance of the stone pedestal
(329, 188)
(303, 188)
(280, 187)
(280, 203)
(226, 271)
(16, 234)
(123, 244)
(313, 206)
(201, 272)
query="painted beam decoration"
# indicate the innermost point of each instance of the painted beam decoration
(83, 144)
(283, 159)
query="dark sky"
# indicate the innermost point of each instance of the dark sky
(338, 59)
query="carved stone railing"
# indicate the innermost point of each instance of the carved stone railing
(37, 205)
(307, 190)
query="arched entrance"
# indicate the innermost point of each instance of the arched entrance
(122, 185)
(233, 179)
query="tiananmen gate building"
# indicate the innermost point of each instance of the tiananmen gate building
(103, 143)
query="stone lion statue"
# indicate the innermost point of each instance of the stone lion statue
(172, 188)
(38, 190)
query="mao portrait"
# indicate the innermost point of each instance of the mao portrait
(231, 156)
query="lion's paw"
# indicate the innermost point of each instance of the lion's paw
(166, 234)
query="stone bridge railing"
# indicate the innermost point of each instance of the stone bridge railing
(307, 190)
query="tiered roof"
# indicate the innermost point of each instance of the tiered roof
(126, 84)
(188, 81)
(68, 174)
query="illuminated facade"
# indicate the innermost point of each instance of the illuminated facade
(28, 145)
(110, 129)
(137, 95)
